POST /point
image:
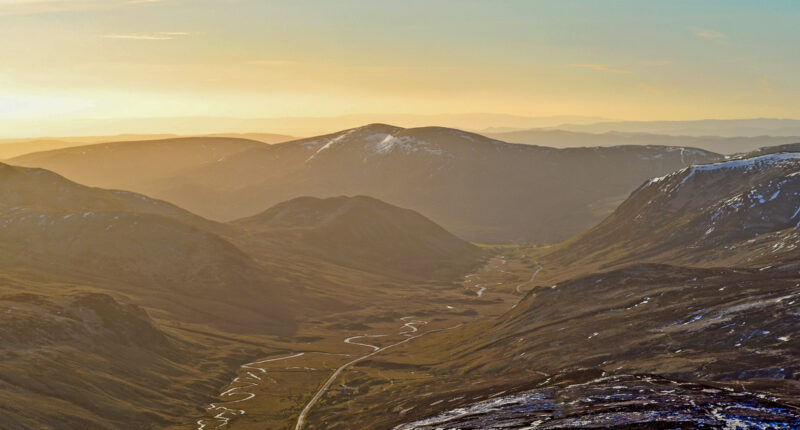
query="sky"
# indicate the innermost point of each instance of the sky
(628, 60)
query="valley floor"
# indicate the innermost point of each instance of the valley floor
(334, 356)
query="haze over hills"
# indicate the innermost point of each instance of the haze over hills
(571, 139)
(705, 127)
(10, 148)
(294, 126)
(481, 189)
(140, 164)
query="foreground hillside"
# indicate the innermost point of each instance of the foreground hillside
(481, 189)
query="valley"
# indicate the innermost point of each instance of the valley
(418, 215)
(290, 391)
(319, 308)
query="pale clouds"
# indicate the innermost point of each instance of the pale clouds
(32, 7)
(603, 68)
(709, 34)
(161, 35)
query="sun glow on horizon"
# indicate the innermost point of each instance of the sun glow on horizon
(250, 59)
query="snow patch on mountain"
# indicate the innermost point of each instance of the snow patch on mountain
(330, 142)
(749, 164)
(404, 144)
(745, 165)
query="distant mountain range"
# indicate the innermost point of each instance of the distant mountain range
(10, 148)
(705, 127)
(574, 139)
(481, 189)
(295, 126)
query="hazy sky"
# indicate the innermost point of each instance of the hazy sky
(262, 58)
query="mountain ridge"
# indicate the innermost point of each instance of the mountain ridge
(482, 189)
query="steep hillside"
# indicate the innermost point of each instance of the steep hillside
(367, 234)
(74, 357)
(738, 212)
(131, 243)
(481, 189)
(643, 347)
(648, 342)
(44, 334)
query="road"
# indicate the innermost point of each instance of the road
(301, 419)
(533, 276)
(251, 377)
(349, 340)
(248, 380)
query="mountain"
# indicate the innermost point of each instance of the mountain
(481, 189)
(573, 139)
(365, 233)
(135, 165)
(10, 148)
(742, 212)
(706, 127)
(133, 244)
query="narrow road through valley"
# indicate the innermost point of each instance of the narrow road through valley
(240, 383)
(301, 419)
(374, 348)
(533, 276)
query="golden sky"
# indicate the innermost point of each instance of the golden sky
(635, 60)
